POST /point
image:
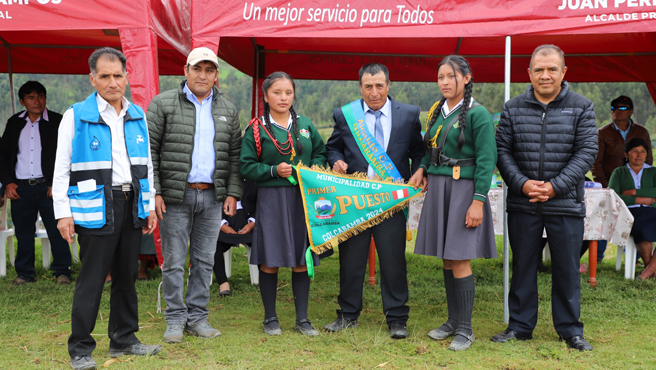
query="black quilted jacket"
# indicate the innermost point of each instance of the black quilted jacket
(557, 144)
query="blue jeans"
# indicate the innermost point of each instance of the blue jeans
(196, 221)
(34, 199)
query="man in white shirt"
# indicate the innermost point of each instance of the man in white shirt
(27, 160)
(102, 190)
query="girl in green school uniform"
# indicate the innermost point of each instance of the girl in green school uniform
(456, 221)
(271, 145)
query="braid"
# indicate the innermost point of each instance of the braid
(433, 118)
(295, 128)
(462, 117)
(267, 111)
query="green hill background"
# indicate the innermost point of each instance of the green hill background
(318, 99)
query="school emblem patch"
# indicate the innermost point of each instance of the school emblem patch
(456, 125)
(305, 133)
(324, 208)
(95, 144)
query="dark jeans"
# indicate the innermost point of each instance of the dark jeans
(120, 251)
(34, 199)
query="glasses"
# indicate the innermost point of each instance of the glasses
(619, 108)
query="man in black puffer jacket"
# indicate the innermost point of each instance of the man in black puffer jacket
(547, 142)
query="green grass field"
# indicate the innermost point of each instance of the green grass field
(618, 317)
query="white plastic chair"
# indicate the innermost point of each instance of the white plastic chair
(629, 259)
(255, 274)
(6, 239)
(45, 245)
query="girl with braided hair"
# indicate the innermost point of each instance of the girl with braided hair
(271, 145)
(456, 221)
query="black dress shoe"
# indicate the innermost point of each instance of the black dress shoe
(85, 362)
(398, 330)
(341, 323)
(509, 334)
(577, 342)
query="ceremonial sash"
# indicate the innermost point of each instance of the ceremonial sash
(372, 150)
(338, 207)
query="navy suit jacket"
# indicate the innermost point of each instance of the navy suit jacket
(405, 142)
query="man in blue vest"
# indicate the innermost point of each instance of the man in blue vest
(102, 190)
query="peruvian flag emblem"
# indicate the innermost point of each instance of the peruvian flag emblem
(400, 194)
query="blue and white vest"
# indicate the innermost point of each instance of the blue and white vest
(92, 210)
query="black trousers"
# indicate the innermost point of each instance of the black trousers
(389, 237)
(219, 262)
(120, 251)
(565, 235)
(34, 199)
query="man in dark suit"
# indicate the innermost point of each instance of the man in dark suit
(27, 162)
(397, 131)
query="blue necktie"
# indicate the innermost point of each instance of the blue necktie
(379, 135)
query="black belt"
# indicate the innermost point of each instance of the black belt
(31, 182)
(124, 188)
(451, 162)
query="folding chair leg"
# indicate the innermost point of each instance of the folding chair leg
(618, 259)
(45, 252)
(546, 253)
(254, 271)
(630, 259)
(3, 255)
(227, 260)
(75, 251)
(10, 246)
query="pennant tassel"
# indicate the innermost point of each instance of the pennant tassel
(309, 262)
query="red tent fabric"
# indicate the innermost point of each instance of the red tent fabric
(57, 36)
(604, 40)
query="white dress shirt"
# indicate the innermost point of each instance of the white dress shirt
(28, 159)
(203, 156)
(385, 120)
(120, 160)
(447, 112)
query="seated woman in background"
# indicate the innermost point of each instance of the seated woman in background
(635, 183)
(235, 230)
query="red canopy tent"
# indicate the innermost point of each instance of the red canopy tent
(57, 36)
(604, 40)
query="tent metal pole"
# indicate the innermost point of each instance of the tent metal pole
(458, 46)
(256, 80)
(506, 244)
(11, 77)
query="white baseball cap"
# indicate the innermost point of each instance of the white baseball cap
(202, 54)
